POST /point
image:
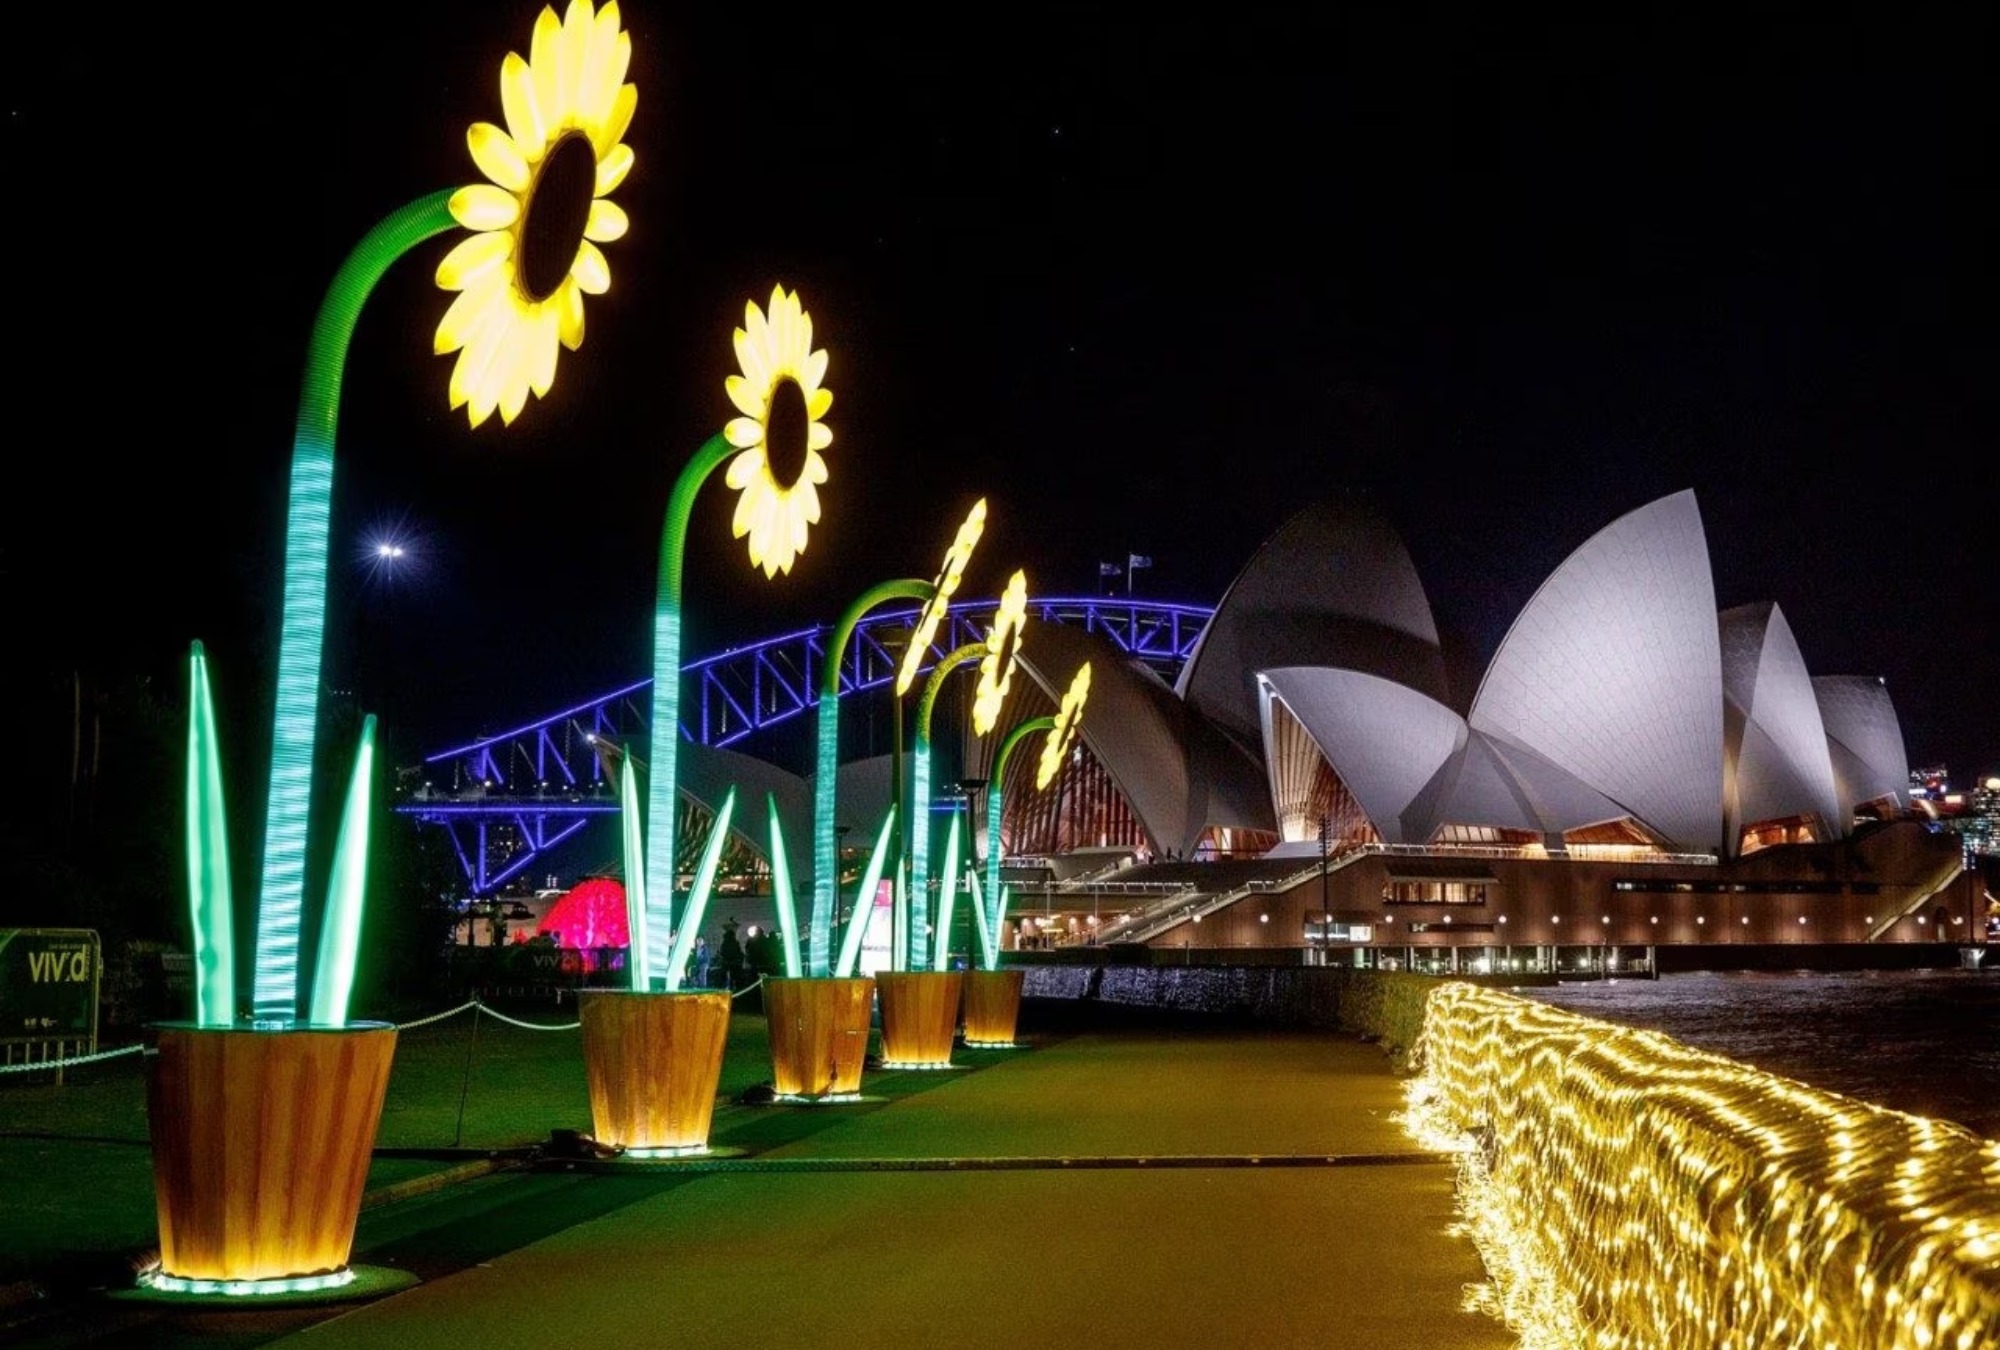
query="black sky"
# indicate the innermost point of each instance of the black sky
(1145, 282)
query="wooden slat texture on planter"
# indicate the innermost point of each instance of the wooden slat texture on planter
(919, 1015)
(653, 1062)
(992, 1005)
(819, 1033)
(261, 1145)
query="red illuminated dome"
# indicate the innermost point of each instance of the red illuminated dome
(589, 915)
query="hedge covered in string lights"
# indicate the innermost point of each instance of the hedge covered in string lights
(1630, 1191)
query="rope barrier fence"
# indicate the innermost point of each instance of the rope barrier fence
(71, 1061)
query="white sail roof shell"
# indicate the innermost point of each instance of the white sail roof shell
(1864, 740)
(1779, 764)
(1333, 586)
(1612, 673)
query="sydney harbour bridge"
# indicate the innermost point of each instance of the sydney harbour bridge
(508, 799)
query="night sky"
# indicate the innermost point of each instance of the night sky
(1147, 285)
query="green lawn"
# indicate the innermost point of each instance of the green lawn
(78, 1189)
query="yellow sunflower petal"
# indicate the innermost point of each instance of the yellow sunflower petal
(484, 207)
(465, 316)
(815, 372)
(569, 315)
(610, 128)
(748, 400)
(473, 258)
(815, 469)
(799, 533)
(818, 402)
(612, 168)
(545, 59)
(472, 379)
(495, 154)
(818, 436)
(601, 71)
(606, 222)
(590, 270)
(751, 361)
(744, 432)
(545, 348)
(808, 498)
(517, 101)
(757, 328)
(746, 506)
(743, 468)
(513, 383)
(572, 54)
(610, 79)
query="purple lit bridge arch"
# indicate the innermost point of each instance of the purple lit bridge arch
(507, 799)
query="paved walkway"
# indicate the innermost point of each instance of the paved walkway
(1018, 1248)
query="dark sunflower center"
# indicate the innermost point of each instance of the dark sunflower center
(785, 433)
(558, 209)
(1007, 645)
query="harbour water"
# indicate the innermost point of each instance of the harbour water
(1922, 1041)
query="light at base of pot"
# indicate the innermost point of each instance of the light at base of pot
(161, 1282)
(684, 1151)
(830, 1099)
(925, 1067)
(994, 1045)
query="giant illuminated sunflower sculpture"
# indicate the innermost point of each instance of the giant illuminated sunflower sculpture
(1003, 650)
(943, 589)
(1069, 718)
(780, 433)
(533, 256)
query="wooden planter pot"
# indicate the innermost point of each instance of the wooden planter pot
(819, 1033)
(653, 1061)
(261, 1144)
(992, 1005)
(919, 1016)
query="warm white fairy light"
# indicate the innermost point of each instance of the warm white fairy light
(1669, 1199)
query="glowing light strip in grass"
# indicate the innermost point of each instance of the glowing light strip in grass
(920, 782)
(989, 942)
(864, 902)
(662, 769)
(308, 522)
(209, 902)
(635, 877)
(781, 892)
(346, 894)
(704, 882)
(946, 895)
(1677, 1200)
(826, 772)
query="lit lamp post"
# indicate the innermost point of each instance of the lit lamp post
(245, 1208)
(993, 996)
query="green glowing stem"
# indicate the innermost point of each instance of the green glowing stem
(704, 882)
(920, 782)
(1006, 751)
(826, 847)
(209, 903)
(635, 876)
(662, 782)
(346, 895)
(864, 901)
(941, 959)
(781, 891)
(308, 522)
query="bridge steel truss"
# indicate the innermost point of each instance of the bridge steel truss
(507, 799)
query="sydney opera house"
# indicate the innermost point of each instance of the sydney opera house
(1635, 769)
